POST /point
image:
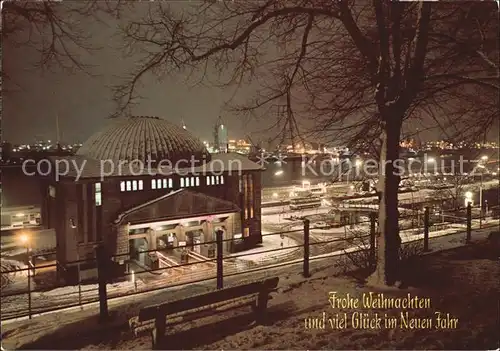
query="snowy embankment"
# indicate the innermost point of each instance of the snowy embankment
(283, 247)
(68, 296)
(453, 291)
(17, 275)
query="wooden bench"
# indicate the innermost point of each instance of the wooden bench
(255, 294)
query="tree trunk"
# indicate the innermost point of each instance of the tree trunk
(388, 240)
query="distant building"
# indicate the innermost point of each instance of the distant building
(241, 146)
(170, 213)
(221, 143)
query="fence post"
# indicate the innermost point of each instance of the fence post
(469, 223)
(426, 228)
(29, 282)
(373, 257)
(102, 277)
(79, 285)
(306, 249)
(220, 273)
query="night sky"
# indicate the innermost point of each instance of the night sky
(84, 102)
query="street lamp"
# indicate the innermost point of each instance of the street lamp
(25, 240)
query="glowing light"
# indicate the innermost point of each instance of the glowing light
(275, 195)
(19, 215)
(278, 173)
(484, 157)
(358, 162)
(468, 195)
(431, 160)
(24, 238)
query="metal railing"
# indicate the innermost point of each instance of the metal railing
(47, 292)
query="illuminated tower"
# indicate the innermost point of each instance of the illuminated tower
(220, 136)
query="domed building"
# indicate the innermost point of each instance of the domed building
(149, 192)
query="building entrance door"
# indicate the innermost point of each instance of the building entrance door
(193, 239)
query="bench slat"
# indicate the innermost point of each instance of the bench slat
(210, 298)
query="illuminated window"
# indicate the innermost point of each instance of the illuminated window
(197, 181)
(153, 183)
(222, 179)
(134, 185)
(216, 179)
(98, 198)
(129, 185)
(246, 232)
(164, 183)
(192, 181)
(182, 182)
(170, 183)
(141, 185)
(208, 180)
(213, 180)
(246, 213)
(122, 186)
(187, 181)
(251, 212)
(158, 183)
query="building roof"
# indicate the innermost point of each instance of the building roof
(79, 167)
(143, 138)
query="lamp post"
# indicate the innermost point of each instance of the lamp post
(25, 241)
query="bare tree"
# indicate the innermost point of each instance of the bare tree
(54, 30)
(356, 70)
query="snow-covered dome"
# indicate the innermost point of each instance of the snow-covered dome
(143, 138)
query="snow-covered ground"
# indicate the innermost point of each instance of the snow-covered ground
(285, 245)
(67, 296)
(307, 296)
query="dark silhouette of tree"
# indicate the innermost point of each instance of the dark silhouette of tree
(54, 30)
(352, 70)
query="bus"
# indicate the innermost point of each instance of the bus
(300, 203)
